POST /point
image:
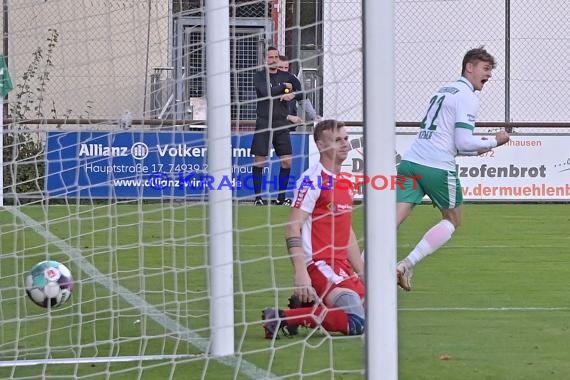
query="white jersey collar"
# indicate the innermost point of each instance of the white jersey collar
(467, 83)
(327, 171)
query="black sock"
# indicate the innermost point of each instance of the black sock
(257, 173)
(283, 182)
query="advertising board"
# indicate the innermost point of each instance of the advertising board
(533, 167)
(153, 165)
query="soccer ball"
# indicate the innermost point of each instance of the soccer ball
(49, 284)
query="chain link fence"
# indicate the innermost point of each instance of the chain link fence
(529, 43)
(431, 39)
(98, 59)
(529, 39)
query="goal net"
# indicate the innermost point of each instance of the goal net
(103, 129)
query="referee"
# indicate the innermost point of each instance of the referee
(275, 89)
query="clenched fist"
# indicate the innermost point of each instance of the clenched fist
(502, 138)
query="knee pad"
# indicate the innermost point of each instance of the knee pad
(355, 324)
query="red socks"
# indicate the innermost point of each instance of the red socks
(333, 320)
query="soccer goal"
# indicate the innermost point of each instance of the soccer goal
(127, 128)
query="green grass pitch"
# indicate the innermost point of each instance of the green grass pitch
(492, 304)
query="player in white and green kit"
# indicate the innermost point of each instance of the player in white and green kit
(445, 132)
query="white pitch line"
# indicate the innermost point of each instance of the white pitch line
(245, 367)
(538, 308)
(99, 359)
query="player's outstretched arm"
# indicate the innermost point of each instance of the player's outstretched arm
(465, 141)
(501, 138)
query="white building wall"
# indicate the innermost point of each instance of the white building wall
(100, 59)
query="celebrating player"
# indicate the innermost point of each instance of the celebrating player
(445, 132)
(323, 247)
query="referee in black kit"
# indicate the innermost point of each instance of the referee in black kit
(275, 89)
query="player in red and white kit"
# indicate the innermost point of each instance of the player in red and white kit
(324, 250)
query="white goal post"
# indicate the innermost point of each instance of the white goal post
(380, 206)
(219, 165)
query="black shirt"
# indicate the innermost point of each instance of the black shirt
(275, 90)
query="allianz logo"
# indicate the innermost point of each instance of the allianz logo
(140, 150)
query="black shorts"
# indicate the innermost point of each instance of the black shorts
(278, 136)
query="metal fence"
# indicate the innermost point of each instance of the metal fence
(528, 38)
(105, 59)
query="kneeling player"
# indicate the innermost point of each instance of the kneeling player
(323, 247)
